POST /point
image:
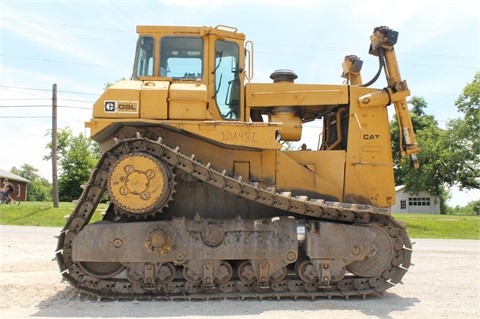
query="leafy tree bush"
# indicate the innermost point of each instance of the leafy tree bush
(472, 208)
(77, 156)
(39, 189)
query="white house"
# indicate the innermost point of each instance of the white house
(421, 203)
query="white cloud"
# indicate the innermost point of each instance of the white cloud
(33, 27)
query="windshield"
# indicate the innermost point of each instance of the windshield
(227, 81)
(181, 57)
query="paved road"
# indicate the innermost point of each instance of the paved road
(444, 283)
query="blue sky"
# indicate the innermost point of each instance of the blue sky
(81, 45)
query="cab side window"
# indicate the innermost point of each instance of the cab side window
(145, 57)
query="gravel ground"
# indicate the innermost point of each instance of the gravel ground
(444, 283)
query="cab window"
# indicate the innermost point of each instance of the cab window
(145, 57)
(181, 57)
(227, 80)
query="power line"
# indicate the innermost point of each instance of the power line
(270, 53)
(280, 44)
(315, 48)
(269, 43)
(43, 99)
(73, 37)
(25, 106)
(49, 106)
(24, 88)
(74, 100)
(62, 62)
(24, 117)
(46, 90)
(77, 26)
(74, 107)
(25, 99)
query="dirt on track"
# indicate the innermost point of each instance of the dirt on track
(444, 283)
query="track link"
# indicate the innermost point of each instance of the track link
(291, 287)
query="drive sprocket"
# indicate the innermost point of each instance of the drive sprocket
(140, 184)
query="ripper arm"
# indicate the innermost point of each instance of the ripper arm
(382, 41)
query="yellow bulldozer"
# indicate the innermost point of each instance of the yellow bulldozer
(204, 200)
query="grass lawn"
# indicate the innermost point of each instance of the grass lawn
(40, 214)
(418, 225)
(441, 226)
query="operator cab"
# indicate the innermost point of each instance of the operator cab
(209, 56)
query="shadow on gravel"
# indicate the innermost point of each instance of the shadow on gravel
(71, 303)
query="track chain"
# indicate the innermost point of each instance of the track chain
(292, 287)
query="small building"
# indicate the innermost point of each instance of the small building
(421, 203)
(19, 182)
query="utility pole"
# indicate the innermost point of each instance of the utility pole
(54, 146)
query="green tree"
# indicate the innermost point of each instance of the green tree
(469, 104)
(472, 208)
(77, 156)
(466, 134)
(429, 177)
(420, 121)
(39, 188)
(448, 156)
(109, 84)
(430, 137)
(461, 160)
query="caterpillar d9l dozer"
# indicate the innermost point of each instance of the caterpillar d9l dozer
(205, 203)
